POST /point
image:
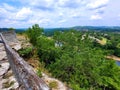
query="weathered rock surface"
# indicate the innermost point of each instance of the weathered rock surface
(2, 54)
(60, 85)
(7, 79)
(4, 68)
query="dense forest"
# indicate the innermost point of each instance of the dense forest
(78, 58)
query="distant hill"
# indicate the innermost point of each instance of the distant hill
(3, 29)
(81, 28)
(7, 29)
(98, 28)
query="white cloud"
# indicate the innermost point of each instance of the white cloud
(54, 12)
(3, 12)
(39, 4)
(62, 21)
(40, 21)
(61, 14)
(11, 16)
(35, 12)
(95, 17)
(70, 3)
(76, 15)
(100, 10)
(8, 7)
(97, 4)
(6, 13)
(23, 13)
(62, 2)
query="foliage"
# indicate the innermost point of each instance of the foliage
(53, 84)
(75, 58)
(33, 33)
(11, 29)
(8, 84)
(25, 52)
(46, 49)
(82, 65)
(39, 73)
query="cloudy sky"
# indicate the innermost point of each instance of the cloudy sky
(59, 13)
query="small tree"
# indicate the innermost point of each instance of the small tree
(34, 32)
(11, 29)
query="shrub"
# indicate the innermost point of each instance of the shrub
(53, 84)
(26, 52)
(39, 73)
(34, 32)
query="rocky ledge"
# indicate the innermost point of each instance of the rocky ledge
(7, 79)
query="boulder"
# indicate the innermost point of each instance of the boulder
(4, 67)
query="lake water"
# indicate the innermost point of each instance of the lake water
(118, 63)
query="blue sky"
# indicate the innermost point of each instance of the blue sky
(59, 13)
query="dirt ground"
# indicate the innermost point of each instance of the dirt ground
(113, 57)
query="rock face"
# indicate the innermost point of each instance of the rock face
(23, 72)
(11, 39)
(7, 79)
(59, 85)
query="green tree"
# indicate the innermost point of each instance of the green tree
(34, 32)
(11, 29)
(77, 59)
(46, 49)
(85, 67)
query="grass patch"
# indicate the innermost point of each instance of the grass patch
(39, 73)
(8, 84)
(53, 84)
(118, 45)
(7, 75)
(25, 52)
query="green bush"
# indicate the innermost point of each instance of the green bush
(39, 73)
(26, 52)
(34, 32)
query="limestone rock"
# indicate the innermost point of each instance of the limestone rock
(16, 46)
(4, 68)
(2, 55)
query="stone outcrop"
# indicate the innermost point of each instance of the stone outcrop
(25, 75)
(7, 79)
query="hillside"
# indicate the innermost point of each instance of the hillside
(78, 58)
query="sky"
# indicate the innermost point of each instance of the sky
(59, 13)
